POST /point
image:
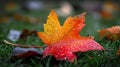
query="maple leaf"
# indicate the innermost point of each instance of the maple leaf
(63, 41)
(112, 33)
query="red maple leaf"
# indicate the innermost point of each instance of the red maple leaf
(64, 40)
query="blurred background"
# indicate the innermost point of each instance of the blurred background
(32, 14)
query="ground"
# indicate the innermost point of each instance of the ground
(106, 58)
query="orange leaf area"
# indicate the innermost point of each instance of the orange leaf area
(54, 32)
(64, 40)
(112, 33)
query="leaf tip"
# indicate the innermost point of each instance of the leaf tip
(53, 13)
(83, 14)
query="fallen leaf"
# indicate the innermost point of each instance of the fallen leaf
(11, 6)
(63, 41)
(4, 19)
(27, 33)
(112, 33)
(118, 52)
(106, 15)
(109, 10)
(26, 52)
(20, 17)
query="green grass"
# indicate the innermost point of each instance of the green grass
(105, 58)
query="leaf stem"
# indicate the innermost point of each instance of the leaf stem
(24, 46)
